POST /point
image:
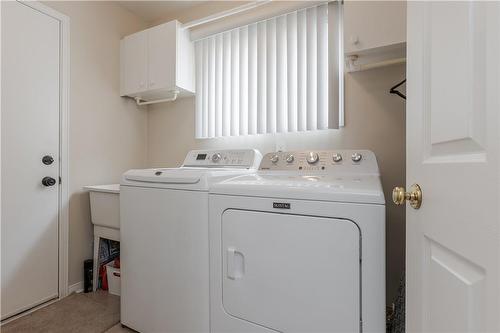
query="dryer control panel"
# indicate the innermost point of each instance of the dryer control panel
(310, 161)
(234, 158)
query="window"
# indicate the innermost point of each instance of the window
(271, 76)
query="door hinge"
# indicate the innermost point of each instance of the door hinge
(60, 181)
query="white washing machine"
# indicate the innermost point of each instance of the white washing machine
(164, 240)
(299, 246)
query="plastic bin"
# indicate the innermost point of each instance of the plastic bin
(114, 280)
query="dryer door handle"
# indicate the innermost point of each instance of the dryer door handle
(235, 261)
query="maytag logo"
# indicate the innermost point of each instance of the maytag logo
(281, 205)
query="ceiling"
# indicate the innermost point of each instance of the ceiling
(154, 11)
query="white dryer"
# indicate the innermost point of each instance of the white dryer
(299, 246)
(164, 240)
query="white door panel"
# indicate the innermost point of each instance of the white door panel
(30, 130)
(450, 127)
(452, 153)
(291, 273)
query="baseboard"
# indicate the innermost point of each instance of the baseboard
(75, 288)
(28, 311)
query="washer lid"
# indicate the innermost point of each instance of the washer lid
(198, 179)
(165, 176)
(200, 169)
(322, 187)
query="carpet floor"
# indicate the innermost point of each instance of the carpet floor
(78, 313)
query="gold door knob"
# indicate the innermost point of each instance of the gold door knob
(399, 196)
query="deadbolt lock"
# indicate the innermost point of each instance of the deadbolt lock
(414, 196)
(47, 160)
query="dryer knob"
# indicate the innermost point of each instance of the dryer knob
(274, 158)
(337, 158)
(356, 157)
(290, 158)
(312, 157)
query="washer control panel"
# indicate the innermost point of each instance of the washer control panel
(324, 160)
(244, 158)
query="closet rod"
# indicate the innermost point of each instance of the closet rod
(226, 13)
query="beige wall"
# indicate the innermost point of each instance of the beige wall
(374, 120)
(107, 133)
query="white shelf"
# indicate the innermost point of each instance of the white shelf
(375, 57)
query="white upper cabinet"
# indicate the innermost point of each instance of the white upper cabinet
(134, 63)
(157, 63)
(374, 32)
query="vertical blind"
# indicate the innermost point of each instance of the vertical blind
(266, 77)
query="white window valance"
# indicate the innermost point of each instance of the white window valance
(266, 77)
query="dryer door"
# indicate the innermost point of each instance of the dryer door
(291, 273)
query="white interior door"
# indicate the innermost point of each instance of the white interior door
(453, 109)
(30, 130)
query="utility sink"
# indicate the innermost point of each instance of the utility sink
(105, 205)
(105, 215)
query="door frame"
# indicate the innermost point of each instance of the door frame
(64, 97)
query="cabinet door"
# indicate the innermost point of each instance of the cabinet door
(369, 24)
(162, 55)
(134, 63)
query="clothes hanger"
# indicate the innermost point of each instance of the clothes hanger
(397, 92)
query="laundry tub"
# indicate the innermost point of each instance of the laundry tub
(105, 216)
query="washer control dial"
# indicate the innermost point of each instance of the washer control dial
(274, 158)
(356, 157)
(312, 157)
(216, 157)
(337, 157)
(290, 158)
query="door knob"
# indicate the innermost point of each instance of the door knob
(399, 196)
(48, 181)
